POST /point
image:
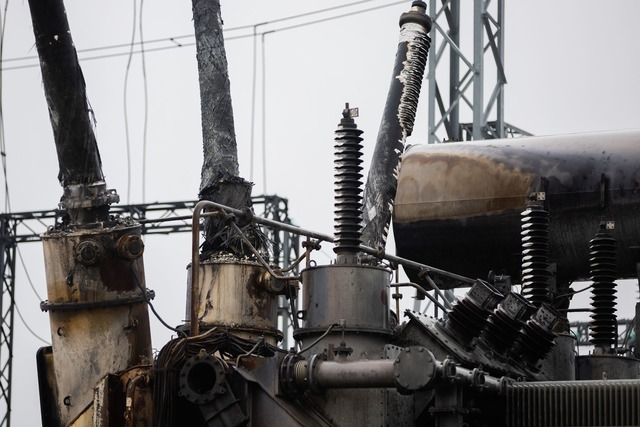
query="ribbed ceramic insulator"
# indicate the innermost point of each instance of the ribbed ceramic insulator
(537, 336)
(348, 186)
(602, 267)
(469, 315)
(505, 322)
(535, 255)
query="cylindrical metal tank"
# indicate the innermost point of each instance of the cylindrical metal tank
(230, 295)
(97, 309)
(355, 293)
(458, 205)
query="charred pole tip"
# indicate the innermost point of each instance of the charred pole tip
(85, 195)
(220, 180)
(397, 123)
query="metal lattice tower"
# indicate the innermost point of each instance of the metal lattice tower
(155, 218)
(7, 306)
(465, 74)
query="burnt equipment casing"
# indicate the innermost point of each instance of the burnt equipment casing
(466, 199)
(97, 304)
(230, 295)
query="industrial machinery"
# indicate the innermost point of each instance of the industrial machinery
(539, 213)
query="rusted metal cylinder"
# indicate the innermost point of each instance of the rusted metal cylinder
(97, 309)
(230, 294)
(458, 204)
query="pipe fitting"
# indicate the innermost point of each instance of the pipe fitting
(130, 247)
(89, 252)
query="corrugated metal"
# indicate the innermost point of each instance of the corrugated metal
(574, 403)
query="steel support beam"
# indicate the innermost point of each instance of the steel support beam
(7, 306)
(468, 71)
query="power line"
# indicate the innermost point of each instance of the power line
(27, 326)
(176, 45)
(124, 97)
(146, 111)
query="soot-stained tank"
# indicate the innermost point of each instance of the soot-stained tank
(458, 205)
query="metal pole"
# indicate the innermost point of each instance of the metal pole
(478, 72)
(7, 266)
(454, 70)
(431, 76)
(500, 125)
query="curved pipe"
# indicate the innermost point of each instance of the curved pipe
(222, 209)
(139, 380)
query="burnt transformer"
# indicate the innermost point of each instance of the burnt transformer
(515, 223)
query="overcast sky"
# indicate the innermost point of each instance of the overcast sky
(571, 66)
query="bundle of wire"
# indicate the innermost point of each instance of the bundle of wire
(172, 357)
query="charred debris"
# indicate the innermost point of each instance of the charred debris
(496, 357)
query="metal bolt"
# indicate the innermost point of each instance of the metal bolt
(67, 401)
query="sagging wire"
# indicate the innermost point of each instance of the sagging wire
(126, 113)
(150, 304)
(26, 272)
(317, 340)
(173, 356)
(146, 109)
(3, 149)
(175, 44)
(569, 294)
(24, 322)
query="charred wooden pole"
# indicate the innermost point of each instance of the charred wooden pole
(396, 125)
(220, 181)
(85, 197)
(97, 300)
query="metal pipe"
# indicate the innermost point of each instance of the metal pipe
(195, 263)
(422, 292)
(324, 374)
(137, 381)
(197, 214)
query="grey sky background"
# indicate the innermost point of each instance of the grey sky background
(571, 67)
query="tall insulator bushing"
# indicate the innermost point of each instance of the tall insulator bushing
(537, 336)
(505, 323)
(535, 255)
(348, 186)
(602, 267)
(469, 315)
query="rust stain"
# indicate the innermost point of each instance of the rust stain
(446, 185)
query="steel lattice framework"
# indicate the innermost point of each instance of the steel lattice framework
(465, 74)
(155, 218)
